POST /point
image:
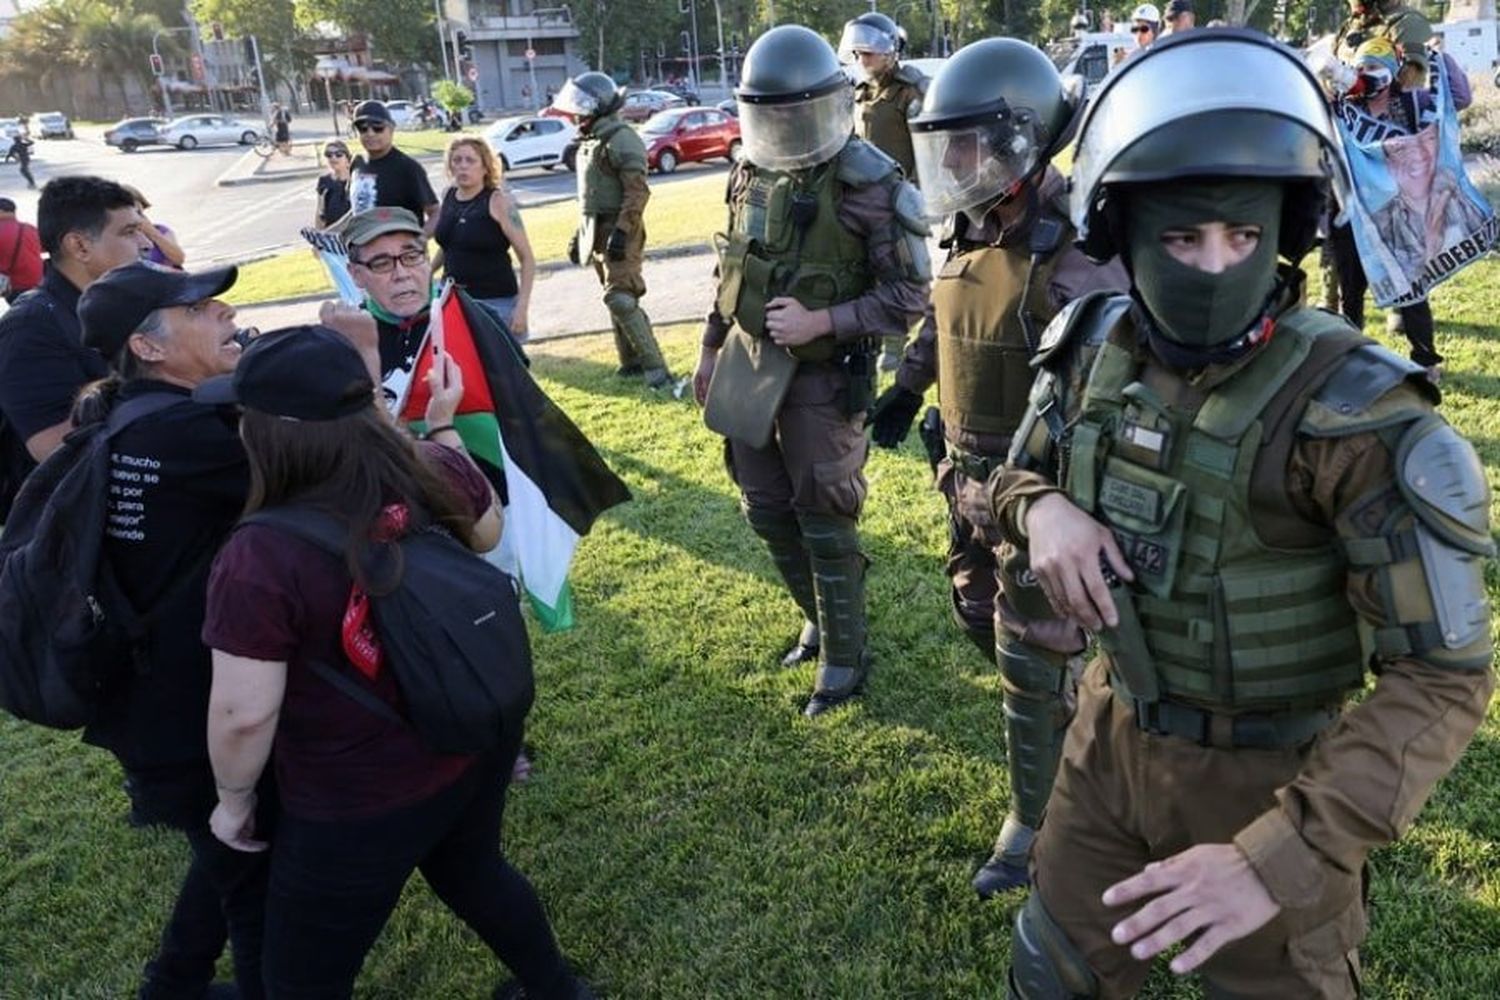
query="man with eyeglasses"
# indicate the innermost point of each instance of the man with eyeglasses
(388, 260)
(385, 176)
(1180, 16)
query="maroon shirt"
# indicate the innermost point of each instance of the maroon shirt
(272, 596)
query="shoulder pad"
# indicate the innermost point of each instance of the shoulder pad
(1441, 476)
(1087, 319)
(1358, 395)
(909, 209)
(907, 73)
(860, 164)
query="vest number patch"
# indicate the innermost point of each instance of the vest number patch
(1145, 557)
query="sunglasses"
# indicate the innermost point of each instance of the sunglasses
(386, 263)
(336, 154)
(363, 127)
(1135, 29)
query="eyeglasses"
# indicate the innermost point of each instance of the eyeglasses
(386, 263)
(363, 127)
(1135, 29)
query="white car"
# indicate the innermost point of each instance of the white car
(192, 131)
(51, 125)
(403, 113)
(532, 142)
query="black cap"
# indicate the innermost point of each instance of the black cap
(6, 205)
(1179, 7)
(114, 306)
(300, 373)
(372, 111)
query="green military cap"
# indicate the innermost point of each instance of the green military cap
(362, 227)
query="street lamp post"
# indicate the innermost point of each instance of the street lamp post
(719, 18)
(437, 13)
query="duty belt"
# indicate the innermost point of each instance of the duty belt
(1261, 731)
(974, 466)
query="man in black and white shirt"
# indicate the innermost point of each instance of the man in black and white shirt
(385, 176)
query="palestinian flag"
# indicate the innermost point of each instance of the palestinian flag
(551, 481)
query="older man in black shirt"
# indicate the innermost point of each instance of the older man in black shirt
(87, 225)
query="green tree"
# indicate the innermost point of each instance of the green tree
(452, 96)
(115, 43)
(400, 32)
(285, 48)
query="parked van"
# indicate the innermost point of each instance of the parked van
(1091, 55)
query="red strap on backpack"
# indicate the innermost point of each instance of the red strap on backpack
(361, 643)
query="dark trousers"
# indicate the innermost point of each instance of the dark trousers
(335, 883)
(222, 897)
(1416, 319)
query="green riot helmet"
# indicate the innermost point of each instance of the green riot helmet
(796, 104)
(589, 96)
(1242, 106)
(993, 117)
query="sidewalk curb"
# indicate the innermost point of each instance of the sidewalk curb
(238, 175)
(547, 267)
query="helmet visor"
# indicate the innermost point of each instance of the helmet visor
(864, 38)
(971, 165)
(797, 134)
(575, 100)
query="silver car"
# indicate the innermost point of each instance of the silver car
(51, 125)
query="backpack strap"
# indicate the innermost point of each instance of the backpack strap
(323, 530)
(126, 413)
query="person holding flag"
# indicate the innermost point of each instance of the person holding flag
(551, 481)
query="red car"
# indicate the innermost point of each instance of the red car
(690, 135)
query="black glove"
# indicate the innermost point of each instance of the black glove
(614, 247)
(892, 414)
(573, 257)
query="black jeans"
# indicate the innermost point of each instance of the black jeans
(223, 893)
(1416, 319)
(335, 883)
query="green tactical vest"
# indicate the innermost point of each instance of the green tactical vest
(984, 374)
(599, 189)
(1231, 623)
(762, 255)
(882, 119)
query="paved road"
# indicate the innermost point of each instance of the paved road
(218, 224)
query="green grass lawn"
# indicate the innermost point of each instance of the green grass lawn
(678, 214)
(692, 835)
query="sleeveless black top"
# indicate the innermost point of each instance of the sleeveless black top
(476, 252)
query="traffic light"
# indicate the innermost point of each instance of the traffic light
(684, 6)
(157, 68)
(687, 42)
(461, 41)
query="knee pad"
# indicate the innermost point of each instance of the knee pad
(1030, 671)
(773, 525)
(829, 536)
(620, 304)
(1045, 965)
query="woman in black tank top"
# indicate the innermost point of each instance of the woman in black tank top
(477, 227)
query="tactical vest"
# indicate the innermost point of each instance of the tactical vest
(984, 372)
(882, 118)
(766, 253)
(599, 189)
(1231, 623)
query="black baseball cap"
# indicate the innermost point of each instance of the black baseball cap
(6, 205)
(114, 306)
(372, 111)
(299, 373)
(1177, 7)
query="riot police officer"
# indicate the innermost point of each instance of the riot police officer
(991, 122)
(886, 97)
(824, 253)
(1250, 503)
(611, 236)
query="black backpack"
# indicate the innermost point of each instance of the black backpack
(451, 630)
(68, 634)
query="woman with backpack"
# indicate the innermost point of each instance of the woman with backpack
(365, 800)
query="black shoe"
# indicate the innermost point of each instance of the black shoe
(805, 649)
(823, 700)
(999, 875)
